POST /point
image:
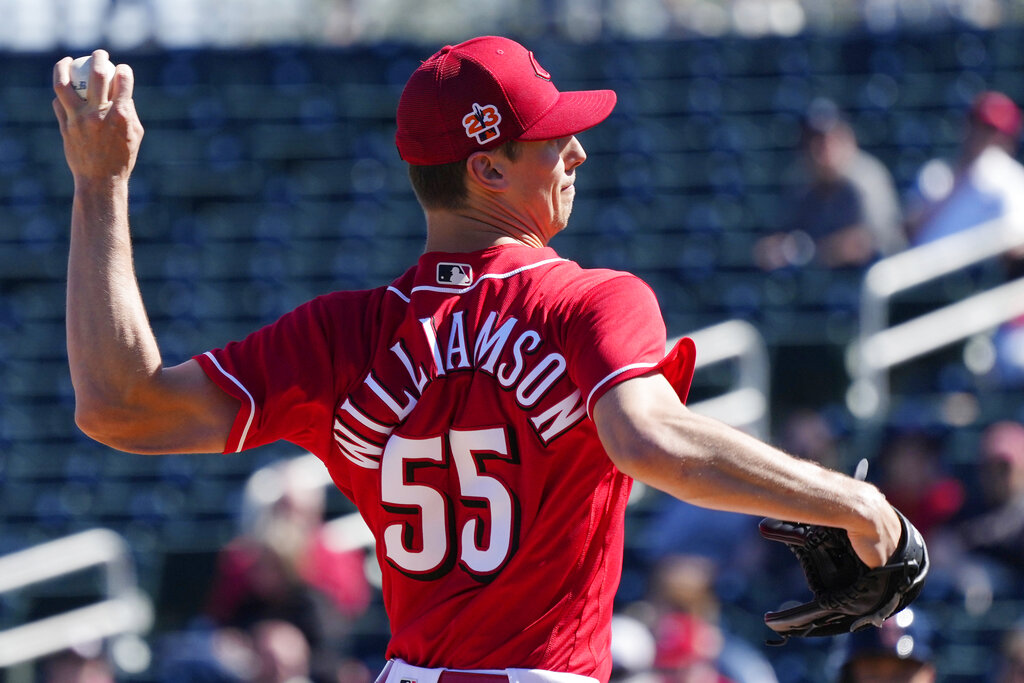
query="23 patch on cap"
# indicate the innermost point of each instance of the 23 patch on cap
(482, 123)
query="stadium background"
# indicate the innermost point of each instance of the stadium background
(268, 175)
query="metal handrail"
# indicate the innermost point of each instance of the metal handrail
(879, 346)
(126, 610)
(744, 406)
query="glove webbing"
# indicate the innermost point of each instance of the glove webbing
(836, 599)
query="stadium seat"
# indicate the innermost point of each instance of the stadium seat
(269, 176)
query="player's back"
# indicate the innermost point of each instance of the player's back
(467, 447)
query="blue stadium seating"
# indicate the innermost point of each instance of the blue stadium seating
(269, 176)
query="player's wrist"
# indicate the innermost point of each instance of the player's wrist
(876, 527)
(100, 188)
(892, 530)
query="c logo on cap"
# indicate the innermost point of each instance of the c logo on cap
(482, 123)
(538, 69)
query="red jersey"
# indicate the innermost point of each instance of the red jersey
(452, 407)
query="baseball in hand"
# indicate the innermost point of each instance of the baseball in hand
(81, 70)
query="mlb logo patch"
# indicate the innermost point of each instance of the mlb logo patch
(460, 274)
(407, 680)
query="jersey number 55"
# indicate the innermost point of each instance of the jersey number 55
(481, 549)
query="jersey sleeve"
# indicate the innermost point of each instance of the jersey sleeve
(285, 375)
(617, 333)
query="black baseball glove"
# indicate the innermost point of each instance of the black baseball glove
(848, 596)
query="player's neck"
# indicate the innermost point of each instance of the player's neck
(466, 231)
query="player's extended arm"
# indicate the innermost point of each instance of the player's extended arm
(124, 396)
(650, 435)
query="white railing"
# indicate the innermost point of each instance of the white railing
(125, 609)
(879, 347)
(745, 405)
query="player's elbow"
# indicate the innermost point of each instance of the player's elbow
(179, 411)
(637, 448)
(110, 422)
(627, 445)
(100, 425)
(651, 436)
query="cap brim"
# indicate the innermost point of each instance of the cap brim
(574, 112)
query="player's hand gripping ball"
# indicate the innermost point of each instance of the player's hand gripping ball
(81, 72)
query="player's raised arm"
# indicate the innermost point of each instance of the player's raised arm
(124, 396)
(652, 437)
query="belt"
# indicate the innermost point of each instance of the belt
(399, 671)
(451, 676)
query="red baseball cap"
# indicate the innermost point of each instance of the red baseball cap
(998, 111)
(482, 93)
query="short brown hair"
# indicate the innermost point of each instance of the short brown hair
(443, 186)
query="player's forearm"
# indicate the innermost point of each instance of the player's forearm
(712, 465)
(651, 437)
(709, 464)
(112, 352)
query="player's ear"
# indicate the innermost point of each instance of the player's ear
(488, 170)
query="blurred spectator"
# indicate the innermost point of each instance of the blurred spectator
(980, 558)
(985, 182)
(1011, 664)
(898, 652)
(1008, 340)
(282, 653)
(1008, 343)
(285, 510)
(847, 211)
(912, 478)
(691, 644)
(281, 579)
(271, 651)
(998, 531)
(71, 667)
(633, 650)
(807, 434)
(270, 589)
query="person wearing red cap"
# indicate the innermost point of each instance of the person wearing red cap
(985, 184)
(486, 411)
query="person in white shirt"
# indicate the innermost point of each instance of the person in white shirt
(986, 182)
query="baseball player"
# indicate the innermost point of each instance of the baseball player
(486, 411)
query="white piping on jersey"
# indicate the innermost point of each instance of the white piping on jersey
(612, 376)
(252, 401)
(464, 290)
(401, 296)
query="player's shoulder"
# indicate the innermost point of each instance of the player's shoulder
(575, 281)
(347, 298)
(346, 307)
